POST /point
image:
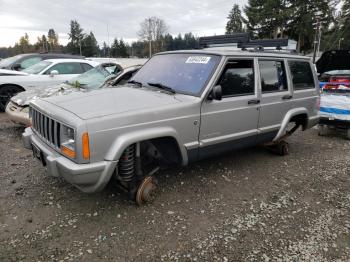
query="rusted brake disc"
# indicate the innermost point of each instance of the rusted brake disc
(146, 191)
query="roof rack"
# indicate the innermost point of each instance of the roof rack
(242, 41)
(260, 45)
(223, 39)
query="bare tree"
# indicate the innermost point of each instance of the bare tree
(152, 29)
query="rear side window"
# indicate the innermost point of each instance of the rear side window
(238, 78)
(86, 67)
(66, 68)
(302, 76)
(29, 62)
(273, 76)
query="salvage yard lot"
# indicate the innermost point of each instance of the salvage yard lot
(246, 206)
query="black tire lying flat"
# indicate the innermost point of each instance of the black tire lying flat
(322, 130)
(6, 92)
(283, 148)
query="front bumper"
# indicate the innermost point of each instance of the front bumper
(88, 178)
(17, 115)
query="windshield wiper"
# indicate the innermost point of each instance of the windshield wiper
(161, 86)
(135, 83)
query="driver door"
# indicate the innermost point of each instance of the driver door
(232, 122)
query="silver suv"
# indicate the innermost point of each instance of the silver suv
(179, 108)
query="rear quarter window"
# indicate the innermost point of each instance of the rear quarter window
(302, 76)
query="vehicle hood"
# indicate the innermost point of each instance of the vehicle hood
(6, 72)
(104, 102)
(333, 60)
(24, 98)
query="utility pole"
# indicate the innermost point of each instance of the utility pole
(315, 39)
(319, 41)
(109, 48)
(80, 46)
(150, 37)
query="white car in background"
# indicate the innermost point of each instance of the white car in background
(43, 74)
(105, 75)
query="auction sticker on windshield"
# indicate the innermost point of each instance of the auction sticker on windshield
(198, 60)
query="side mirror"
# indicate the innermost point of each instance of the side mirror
(17, 67)
(216, 93)
(53, 73)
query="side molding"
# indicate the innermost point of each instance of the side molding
(123, 141)
(287, 118)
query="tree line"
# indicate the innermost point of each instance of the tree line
(303, 21)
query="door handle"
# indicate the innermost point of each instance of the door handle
(254, 102)
(286, 97)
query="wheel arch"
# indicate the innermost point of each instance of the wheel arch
(297, 115)
(160, 135)
(11, 84)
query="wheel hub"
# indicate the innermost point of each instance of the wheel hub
(146, 191)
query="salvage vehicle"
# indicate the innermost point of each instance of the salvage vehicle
(334, 69)
(180, 107)
(42, 74)
(23, 61)
(103, 76)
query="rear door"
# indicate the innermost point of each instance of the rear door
(232, 122)
(276, 97)
(66, 71)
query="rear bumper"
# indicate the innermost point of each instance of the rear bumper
(334, 122)
(313, 121)
(17, 115)
(88, 178)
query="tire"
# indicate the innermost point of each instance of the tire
(6, 92)
(283, 148)
(322, 130)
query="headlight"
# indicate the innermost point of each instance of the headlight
(68, 141)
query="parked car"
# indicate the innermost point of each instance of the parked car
(23, 61)
(105, 75)
(180, 107)
(42, 74)
(334, 69)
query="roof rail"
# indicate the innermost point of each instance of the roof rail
(223, 39)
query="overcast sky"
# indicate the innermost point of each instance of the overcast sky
(36, 17)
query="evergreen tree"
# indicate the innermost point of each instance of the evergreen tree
(75, 36)
(52, 39)
(343, 35)
(235, 21)
(89, 46)
(305, 16)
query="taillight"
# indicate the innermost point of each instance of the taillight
(338, 79)
(318, 103)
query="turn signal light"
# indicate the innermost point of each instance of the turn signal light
(68, 152)
(86, 146)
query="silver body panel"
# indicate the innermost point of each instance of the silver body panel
(117, 118)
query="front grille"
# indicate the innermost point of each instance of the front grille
(47, 128)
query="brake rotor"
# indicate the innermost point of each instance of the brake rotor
(146, 191)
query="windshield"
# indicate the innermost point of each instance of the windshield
(95, 77)
(37, 68)
(8, 61)
(183, 73)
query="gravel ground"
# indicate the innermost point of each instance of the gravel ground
(246, 206)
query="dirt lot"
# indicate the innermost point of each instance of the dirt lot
(246, 206)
